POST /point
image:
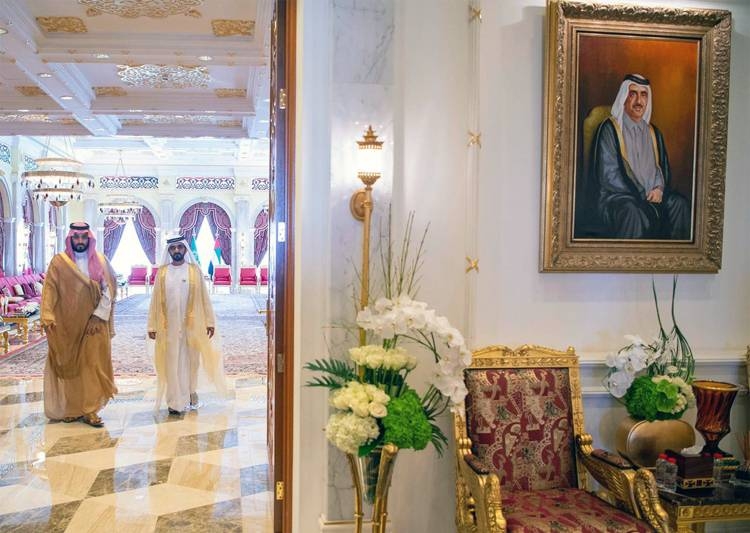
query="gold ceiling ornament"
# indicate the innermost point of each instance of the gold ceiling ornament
(229, 27)
(25, 117)
(138, 8)
(473, 264)
(62, 24)
(164, 76)
(230, 123)
(475, 138)
(475, 14)
(110, 91)
(231, 93)
(30, 90)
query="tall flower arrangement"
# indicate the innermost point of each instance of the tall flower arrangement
(372, 399)
(653, 379)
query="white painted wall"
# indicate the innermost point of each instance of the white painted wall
(514, 303)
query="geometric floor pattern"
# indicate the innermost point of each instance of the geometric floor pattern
(144, 471)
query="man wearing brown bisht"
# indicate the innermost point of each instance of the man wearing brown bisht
(76, 313)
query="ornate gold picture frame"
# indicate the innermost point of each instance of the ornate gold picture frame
(659, 76)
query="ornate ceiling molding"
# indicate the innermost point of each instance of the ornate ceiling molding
(138, 8)
(110, 91)
(229, 27)
(30, 90)
(164, 76)
(259, 184)
(229, 123)
(215, 183)
(129, 182)
(62, 24)
(231, 93)
(172, 119)
(25, 117)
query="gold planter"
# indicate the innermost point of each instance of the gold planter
(372, 480)
(642, 441)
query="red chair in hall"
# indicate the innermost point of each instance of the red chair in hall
(152, 276)
(222, 277)
(248, 277)
(264, 275)
(138, 276)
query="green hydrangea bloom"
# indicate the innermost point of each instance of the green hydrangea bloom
(406, 424)
(652, 401)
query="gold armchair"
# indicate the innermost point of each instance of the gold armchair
(522, 454)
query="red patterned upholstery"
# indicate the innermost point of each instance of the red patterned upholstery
(520, 423)
(565, 510)
(154, 273)
(222, 276)
(264, 275)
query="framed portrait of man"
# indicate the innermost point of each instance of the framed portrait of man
(635, 138)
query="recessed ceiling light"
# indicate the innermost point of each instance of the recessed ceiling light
(45, 75)
(23, 110)
(66, 97)
(3, 31)
(205, 58)
(135, 110)
(101, 56)
(210, 112)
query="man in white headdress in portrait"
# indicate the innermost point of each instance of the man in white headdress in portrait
(181, 321)
(631, 167)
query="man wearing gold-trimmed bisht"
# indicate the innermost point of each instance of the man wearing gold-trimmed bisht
(77, 315)
(181, 321)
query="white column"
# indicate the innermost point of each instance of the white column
(39, 242)
(91, 215)
(9, 254)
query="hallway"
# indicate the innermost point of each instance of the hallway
(144, 471)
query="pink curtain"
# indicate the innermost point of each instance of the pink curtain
(218, 221)
(2, 233)
(190, 221)
(261, 235)
(112, 235)
(145, 228)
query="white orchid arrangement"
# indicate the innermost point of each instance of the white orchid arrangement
(653, 380)
(373, 403)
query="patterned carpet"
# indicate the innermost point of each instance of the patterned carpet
(240, 328)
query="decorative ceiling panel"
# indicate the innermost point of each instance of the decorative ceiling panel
(138, 8)
(62, 24)
(164, 76)
(227, 27)
(231, 93)
(110, 91)
(172, 119)
(30, 90)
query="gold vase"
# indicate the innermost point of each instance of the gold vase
(642, 441)
(714, 401)
(372, 479)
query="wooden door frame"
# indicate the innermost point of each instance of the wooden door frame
(284, 317)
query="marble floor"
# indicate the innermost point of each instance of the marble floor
(144, 471)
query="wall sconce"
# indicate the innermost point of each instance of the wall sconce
(369, 166)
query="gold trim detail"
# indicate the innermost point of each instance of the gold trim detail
(30, 90)
(110, 91)
(229, 27)
(231, 93)
(475, 14)
(475, 138)
(473, 264)
(164, 76)
(62, 24)
(138, 8)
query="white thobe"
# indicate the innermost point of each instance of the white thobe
(181, 362)
(105, 303)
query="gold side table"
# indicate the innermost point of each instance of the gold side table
(23, 323)
(689, 511)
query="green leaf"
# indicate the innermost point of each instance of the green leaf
(339, 372)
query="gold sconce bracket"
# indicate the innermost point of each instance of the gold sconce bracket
(357, 204)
